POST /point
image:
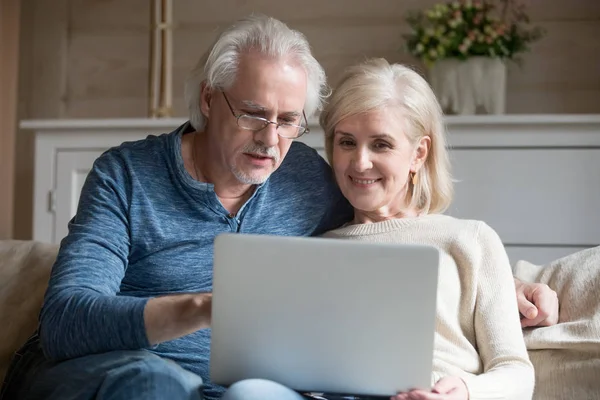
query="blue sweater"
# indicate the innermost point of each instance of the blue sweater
(144, 227)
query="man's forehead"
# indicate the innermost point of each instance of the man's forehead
(264, 83)
(253, 105)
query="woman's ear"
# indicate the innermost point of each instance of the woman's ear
(421, 153)
(205, 98)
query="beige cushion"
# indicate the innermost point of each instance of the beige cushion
(566, 356)
(24, 271)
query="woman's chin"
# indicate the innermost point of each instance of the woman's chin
(364, 206)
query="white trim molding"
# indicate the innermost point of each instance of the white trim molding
(541, 130)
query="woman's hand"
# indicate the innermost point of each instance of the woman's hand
(448, 388)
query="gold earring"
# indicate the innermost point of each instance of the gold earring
(413, 178)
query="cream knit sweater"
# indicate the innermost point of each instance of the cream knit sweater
(478, 334)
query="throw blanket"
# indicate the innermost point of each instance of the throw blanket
(566, 356)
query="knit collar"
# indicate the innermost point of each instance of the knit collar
(387, 226)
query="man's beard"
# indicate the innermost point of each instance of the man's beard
(254, 148)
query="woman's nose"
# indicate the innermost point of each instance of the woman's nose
(362, 161)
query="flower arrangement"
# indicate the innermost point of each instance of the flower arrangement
(467, 28)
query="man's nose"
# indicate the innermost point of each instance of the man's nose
(267, 136)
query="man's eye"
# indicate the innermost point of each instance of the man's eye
(290, 120)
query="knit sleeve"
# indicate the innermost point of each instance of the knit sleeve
(508, 373)
(82, 313)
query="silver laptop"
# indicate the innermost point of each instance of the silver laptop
(323, 315)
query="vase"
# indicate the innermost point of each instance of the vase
(476, 85)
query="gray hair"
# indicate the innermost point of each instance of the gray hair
(374, 85)
(269, 36)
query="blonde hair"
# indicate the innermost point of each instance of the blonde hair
(270, 37)
(374, 85)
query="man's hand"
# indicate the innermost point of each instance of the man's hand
(174, 316)
(448, 388)
(538, 304)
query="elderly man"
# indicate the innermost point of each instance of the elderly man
(128, 304)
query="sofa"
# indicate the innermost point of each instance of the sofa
(24, 271)
(566, 356)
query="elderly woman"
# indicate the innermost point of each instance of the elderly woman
(384, 137)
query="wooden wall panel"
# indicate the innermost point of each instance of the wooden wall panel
(9, 50)
(108, 46)
(42, 90)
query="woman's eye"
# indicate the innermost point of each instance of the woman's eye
(382, 146)
(345, 143)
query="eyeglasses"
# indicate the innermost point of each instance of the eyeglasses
(255, 124)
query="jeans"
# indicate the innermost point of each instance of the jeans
(136, 374)
(131, 375)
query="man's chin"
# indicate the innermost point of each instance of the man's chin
(253, 178)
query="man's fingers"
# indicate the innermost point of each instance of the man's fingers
(526, 307)
(532, 318)
(543, 300)
(546, 301)
(538, 303)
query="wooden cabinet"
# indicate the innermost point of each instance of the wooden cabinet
(534, 179)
